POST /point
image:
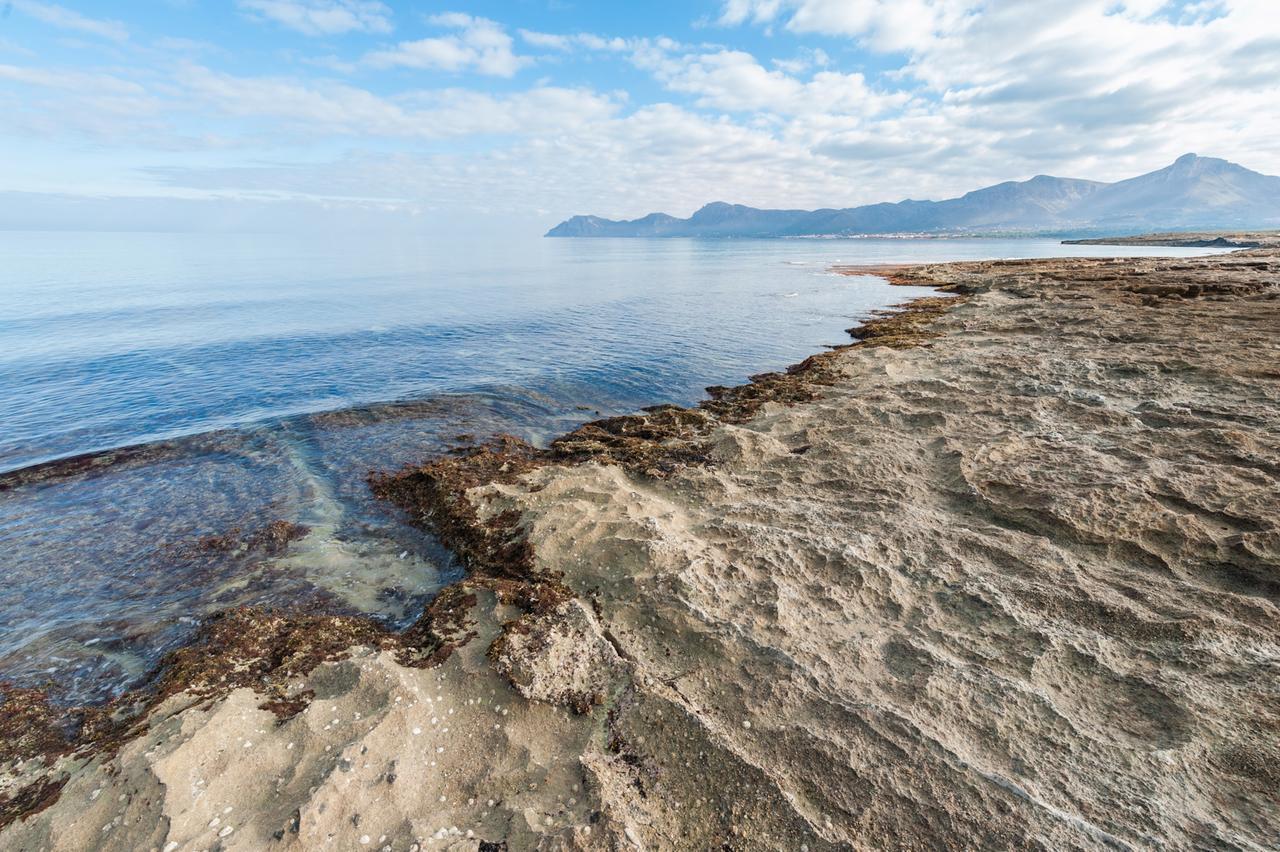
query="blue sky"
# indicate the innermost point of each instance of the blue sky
(232, 113)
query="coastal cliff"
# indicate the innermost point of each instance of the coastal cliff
(1003, 573)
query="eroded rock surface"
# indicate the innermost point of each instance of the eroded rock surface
(1005, 576)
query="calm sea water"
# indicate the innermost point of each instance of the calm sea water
(264, 377)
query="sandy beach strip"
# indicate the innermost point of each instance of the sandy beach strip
(1003, 573)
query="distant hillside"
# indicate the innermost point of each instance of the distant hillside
(1193, 192)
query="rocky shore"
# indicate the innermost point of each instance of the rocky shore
(1003, 573)
(1198, 239)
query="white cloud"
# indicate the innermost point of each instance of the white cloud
(240, 111)
(322, 17)
(590, 41)
(67, 19)
(1090, 87)
(885, 24)
(69, 80)
(547, 41)
(734, 80)
(102, 107)
(342, 110)
(479, 44)
(808, 58)
(658, 157)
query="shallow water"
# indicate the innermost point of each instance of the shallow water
(257, 375)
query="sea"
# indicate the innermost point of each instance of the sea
(166, 398)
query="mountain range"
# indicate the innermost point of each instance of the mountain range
(1193, 192)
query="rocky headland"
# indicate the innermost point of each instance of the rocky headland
(1002, 573)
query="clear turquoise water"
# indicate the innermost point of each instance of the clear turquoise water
(267, 365)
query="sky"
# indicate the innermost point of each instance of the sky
(243, 114)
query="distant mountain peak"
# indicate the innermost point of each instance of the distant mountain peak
(1192, 192)
(1194, 163)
